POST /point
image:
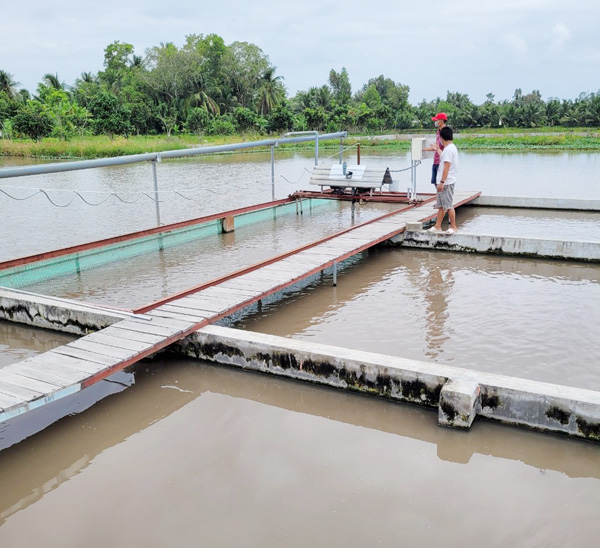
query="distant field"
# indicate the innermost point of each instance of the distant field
(482, 139)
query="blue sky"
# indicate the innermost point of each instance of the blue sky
(470, 46)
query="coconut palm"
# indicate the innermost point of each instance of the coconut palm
(53, 81)
(7, 84)
(270, 91)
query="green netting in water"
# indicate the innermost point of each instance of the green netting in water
(24, 275)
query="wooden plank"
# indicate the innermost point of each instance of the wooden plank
(227, 291)
(28, 382)
(99, 349)
(52, 357)
(117, 340)
(139, 336)
(207, 306)
(36, 372)
(6, 402)
(68, 375)
(271, 274)
(175, 316)
(191, 313)
(204, 308)
(171, 323)
(225, 301)
(242, 282)
(19, 392)
(146, 327)
(85, 353)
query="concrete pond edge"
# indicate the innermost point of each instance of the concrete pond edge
(460, 395)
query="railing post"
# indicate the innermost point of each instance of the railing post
(358, 154)
(317, 148)
(341, 149)
(155, 178)
(334, 273)
(273, 172)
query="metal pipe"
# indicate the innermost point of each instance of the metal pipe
(21, 171)
(341, 149)
(334, 273)
(316, 134)
(358, 154)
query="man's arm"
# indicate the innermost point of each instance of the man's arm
(444, 176)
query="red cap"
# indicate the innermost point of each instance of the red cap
(440, 116)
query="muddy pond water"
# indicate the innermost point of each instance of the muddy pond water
(194, 454)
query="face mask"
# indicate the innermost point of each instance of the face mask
(436, 123)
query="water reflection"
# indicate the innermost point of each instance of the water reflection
(19, 342)
(528, 319)
(437, 286)
(166, 386)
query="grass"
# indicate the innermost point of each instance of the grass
(103, 147)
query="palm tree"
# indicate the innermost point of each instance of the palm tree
(137, 61)
(87, 77)
(270, 91)
(53, 81)
(7, 84)
(202, 99)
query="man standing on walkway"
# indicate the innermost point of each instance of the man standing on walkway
(439, 120)
(446, 178)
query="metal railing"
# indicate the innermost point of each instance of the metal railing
(156, 157)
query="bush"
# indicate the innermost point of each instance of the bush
(34, 121)
(221, 125)
(245, 118)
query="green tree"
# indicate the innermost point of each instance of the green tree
(244, 65)
(198, 120)
(592, 110)
(533, 115)
(340, 86)
(110, 116)
(316, 118)
(8, 85)
(176, 82)
(212, 52)
(280, 119)
(553, 112)
(371, 97)
(118, 62)
(246, 119)
(270, 91)
(52, 81)
(68, 118)
(33, 120)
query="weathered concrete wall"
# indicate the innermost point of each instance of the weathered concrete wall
(500, 245)
(459, 394)
(55, 314)
(537, 203)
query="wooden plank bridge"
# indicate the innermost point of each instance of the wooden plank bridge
(70, 368)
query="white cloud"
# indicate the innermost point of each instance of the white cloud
(560, 35)
(516, 44)
(498, 46)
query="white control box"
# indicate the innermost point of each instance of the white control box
(418, 146)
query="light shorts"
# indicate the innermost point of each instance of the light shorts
(445, 197)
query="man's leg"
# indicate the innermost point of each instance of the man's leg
(452, 218)
(434, 170)
(439, 219)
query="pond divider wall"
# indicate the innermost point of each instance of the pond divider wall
(460, 395)
(31, 270)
